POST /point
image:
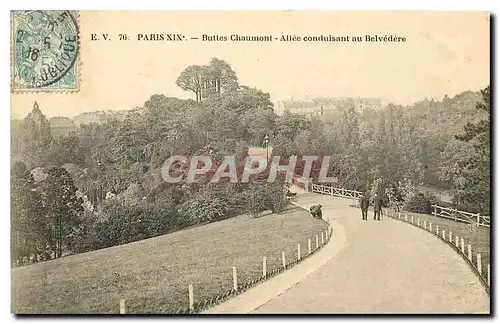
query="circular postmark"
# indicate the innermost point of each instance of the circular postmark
(46, 47)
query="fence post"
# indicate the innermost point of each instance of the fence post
(191, 297)
(322, 239)
(425, 224)
(450, 237)
(309, 245)
(298, 251)
(317, 241)
(235, 279)
(264, 267)
(488, 274)
(435, 210)
(399, 215)
(457, 240)
(122, 306)
(479, 269)
(412, 219)
(443, 233)
(437, 230)
(418, 222)
(462, 246)
(478, 220)
(430, 227)
(469, 252)
(342, 192)
(284, 261)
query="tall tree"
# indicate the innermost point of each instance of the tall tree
(64, 208)
(191, 79)
(27, 215)
(217, 77)
(475, 187)
(222, 76)
(35, 137)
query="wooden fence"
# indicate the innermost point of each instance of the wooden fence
(458, 244)
(338, 192)
(438, 211)
(461, 216)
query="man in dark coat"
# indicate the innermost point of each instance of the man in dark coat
(364, 203)
(316, 211)
(377, 206)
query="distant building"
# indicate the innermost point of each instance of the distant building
(319, 106)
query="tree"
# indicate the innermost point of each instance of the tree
(191, 80)
(27, 215)
(67, 149)
(64, 209)
(474, 186)
(35, 137)
(221, 76)
(290, 125)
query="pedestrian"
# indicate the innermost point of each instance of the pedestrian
(363, 204)
(377, 206)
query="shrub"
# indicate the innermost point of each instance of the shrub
(255, 202)
(205, 205)
(124, 224)
(421, 202)
(274, 197)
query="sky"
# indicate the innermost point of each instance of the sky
(444, 53)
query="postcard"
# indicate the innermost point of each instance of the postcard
(250, 162)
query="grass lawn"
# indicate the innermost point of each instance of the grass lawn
(154, 274)
(479, 239)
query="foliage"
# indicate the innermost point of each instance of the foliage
(28, 229)
(204, 206)
(392, 151)
(274, 196)
(64, 209)
(421, 202)
(472, 183)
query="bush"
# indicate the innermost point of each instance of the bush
(421, 203)
(255, 202)
(124, 224)
(205, 205)
(274, 197)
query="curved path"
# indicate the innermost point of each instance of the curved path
(380, 267)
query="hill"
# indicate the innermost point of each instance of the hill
(154, 274)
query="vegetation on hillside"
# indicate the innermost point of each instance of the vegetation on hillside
(100, 184)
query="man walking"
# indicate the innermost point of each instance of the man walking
(363, 204)
(377, 207)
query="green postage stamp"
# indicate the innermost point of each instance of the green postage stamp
(45, 46)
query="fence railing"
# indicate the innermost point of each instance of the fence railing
(438, 211)
(332, 191)
(458, 243)
(461, 216)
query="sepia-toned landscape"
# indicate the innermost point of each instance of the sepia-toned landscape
(267, 212)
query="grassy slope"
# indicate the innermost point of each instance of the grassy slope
(155, 273)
